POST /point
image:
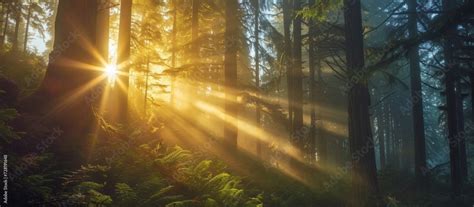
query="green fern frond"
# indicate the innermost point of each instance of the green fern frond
(181, 203)
(179, 154)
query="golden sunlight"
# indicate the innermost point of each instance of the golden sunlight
(111, 73)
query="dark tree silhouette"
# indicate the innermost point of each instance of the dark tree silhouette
(364, 172)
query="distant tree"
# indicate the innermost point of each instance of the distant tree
(123, 59)
(314, 65)
(18, 9)
(230, 74)
(174, 44)
(451, 103)
(195, 31)
(287, 17)
(6, 10)
(103, 26)
(297, 71)
(256, 34)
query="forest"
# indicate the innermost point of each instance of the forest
(237, 103)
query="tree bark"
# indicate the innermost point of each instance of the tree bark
(471, 79)
(396, 137)
(417, 100)
(451, 105)
(103, 24)
(287, 16)
(173, 53)
(2, 14)
(297, 72)
(5, 25)
(462, 138)
(257, 73)
(27, 27)
(313, 63)
(123, 59)
(386, 131)
(62, 99)
(195, 33)
(16, 34)
(230, 73)
(381, 133)
(147, 77)
(320, 131)
(364, 172)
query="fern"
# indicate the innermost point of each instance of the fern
(126, 196)
(161, 192)
(6, 132)
(178, 154)
(99, 198)
(184, 203)
(211, 203)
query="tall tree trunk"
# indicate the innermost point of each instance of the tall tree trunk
(103, 24)
(462, 137)
(417, 99)
(287, 17)
(5, 25)
(257, 72)
(312, 79)
(16, 34)
(407, 143)
(451, 105)
(297, 72)
(3, 13)
(313, 63)
(391, 135)
(322, 141)
(386, 131)
(147, 77)
(460, 116)
(173, 52)
(195, 33)
(62, 99)
(471, 79)
(27, 27)
(381, 133)
(230, 73)
(396, 141)
(123, 58)
(364, 172)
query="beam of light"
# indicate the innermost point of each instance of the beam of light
(196, 136)
(255, 132)
(244, 126)
(111, 72)
(104, 100)
(68, 99)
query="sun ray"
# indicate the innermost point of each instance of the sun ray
(74, 96)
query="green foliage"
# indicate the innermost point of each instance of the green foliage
(7, 133)
(320, 10)
(178, 154)
(126, 196)
(26, 70)
(153, 175)
(31, 174)
(98, 198)
(38, 184)
(184, 203)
